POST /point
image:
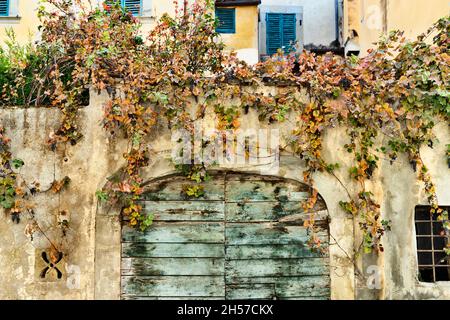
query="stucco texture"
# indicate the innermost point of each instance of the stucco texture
(91, 265)
(372, 18)
(25, 26)
(246, 36)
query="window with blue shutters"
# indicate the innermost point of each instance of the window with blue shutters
(280, 32)
(227, 20)
(4, 8)
(133, 6)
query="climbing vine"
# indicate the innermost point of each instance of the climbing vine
(395, 95)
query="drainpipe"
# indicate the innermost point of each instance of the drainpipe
(336, 7)
(384, 4)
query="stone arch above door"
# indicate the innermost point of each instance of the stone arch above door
(243, 238)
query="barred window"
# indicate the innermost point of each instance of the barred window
(431, 240)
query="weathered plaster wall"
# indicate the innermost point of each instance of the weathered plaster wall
(93, 260)
(399, 199)
(87, 165)
(341, 225)
(372, 18)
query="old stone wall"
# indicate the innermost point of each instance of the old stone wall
(91, 265)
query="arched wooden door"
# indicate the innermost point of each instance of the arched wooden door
(243, 239)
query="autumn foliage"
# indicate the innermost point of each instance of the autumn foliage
(399, 90)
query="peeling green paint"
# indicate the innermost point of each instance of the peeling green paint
(243, 239)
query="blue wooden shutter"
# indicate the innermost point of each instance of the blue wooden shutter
(289, 32)
(4, 7)
(227, 20)
(134, 6)
(280, 32)
(274, 39)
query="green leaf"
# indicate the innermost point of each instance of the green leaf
(101, 196)
(367, 250)
(7, 202)
(161, 98)
(146, 222)
(447, 251)
(136, 140)
(17, 163)
(10, 191)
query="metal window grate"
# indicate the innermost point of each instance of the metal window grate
(434, 264)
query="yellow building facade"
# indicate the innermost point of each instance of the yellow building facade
(365, 20)
(241, 37)
(246, 35)
(22, 19)
(362, 21)
(22, 16)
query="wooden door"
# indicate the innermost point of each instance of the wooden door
(243, 239)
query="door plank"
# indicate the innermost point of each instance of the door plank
(185, 210)
(268, 233)
(171, 189)
(276, 290)
(271, 251)
(172, 266)
(276, 267)
(272, 211)
(174, 286)
(250, 291)
(237, 191)
(172, 250)
(179, 232)
(302, 282)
